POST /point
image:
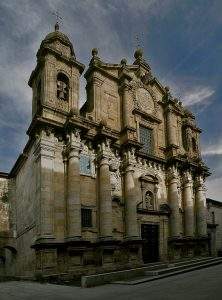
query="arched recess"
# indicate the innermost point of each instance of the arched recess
(11, 248)
(149, 184)
(62, 82)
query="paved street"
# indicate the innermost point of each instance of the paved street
(202, 284)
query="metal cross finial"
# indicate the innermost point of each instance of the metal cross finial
(58, 19)
(138, 40)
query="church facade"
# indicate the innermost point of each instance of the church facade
(115, 184)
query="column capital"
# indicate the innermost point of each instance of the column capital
(172, 175)
(129, 156)
(74, 145)
(104, 150)
(187, 179)
(103, 160)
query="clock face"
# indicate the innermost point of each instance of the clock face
(145, 100)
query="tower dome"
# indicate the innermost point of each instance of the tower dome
(57, 35)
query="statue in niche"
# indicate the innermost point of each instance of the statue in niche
(149, 200)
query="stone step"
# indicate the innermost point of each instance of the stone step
(179, 265)
(127, 274)
(172, 272)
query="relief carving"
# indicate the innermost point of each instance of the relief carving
(143, 96)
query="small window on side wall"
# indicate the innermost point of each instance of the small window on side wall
(62, 87)
(86, 215)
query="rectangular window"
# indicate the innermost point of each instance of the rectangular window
(146, 138)
(86, 217)
(85, 165)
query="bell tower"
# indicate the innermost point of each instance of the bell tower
(55, 80)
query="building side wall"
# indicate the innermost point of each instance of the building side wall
(214, 216)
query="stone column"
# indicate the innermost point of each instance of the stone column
(130, 205)
(73, 188)
(105, 199)
(188, 206)
(201, 208)
(173, 196)
(171, 134)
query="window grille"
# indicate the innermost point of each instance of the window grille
(86, 217)
(146, 138)
(85, 165)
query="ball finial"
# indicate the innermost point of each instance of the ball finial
(138, 53)
(123, 62)
(94, 52)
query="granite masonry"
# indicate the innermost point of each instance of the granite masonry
(113, 185)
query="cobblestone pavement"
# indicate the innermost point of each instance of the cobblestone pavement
(198, 285)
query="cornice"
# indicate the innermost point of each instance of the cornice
(18, 165)
(101, 70)
(145, 115)
(4, 175)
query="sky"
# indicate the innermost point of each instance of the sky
(181, 39)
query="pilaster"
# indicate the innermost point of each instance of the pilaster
(73, 203)
(45, 153)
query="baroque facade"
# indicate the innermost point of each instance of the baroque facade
(115, 184)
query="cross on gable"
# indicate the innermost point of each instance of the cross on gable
(138, 40)
(57, 15)
(58, 19)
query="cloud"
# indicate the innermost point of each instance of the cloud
(214, 188)
(212, 148)
(198, 96)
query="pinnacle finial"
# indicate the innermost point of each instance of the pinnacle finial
(123, 62)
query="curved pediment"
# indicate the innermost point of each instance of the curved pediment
(149, 178)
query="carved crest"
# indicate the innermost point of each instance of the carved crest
(144, 97)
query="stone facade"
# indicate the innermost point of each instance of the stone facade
(115, 184)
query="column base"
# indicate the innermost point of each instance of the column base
(187, 246)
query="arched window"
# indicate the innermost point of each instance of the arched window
(184, 138)
(62, 87)
(149, 200)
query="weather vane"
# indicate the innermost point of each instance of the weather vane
(58, 19)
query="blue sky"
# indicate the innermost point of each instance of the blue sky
(182, 41)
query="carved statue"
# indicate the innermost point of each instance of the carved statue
(149, 200)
